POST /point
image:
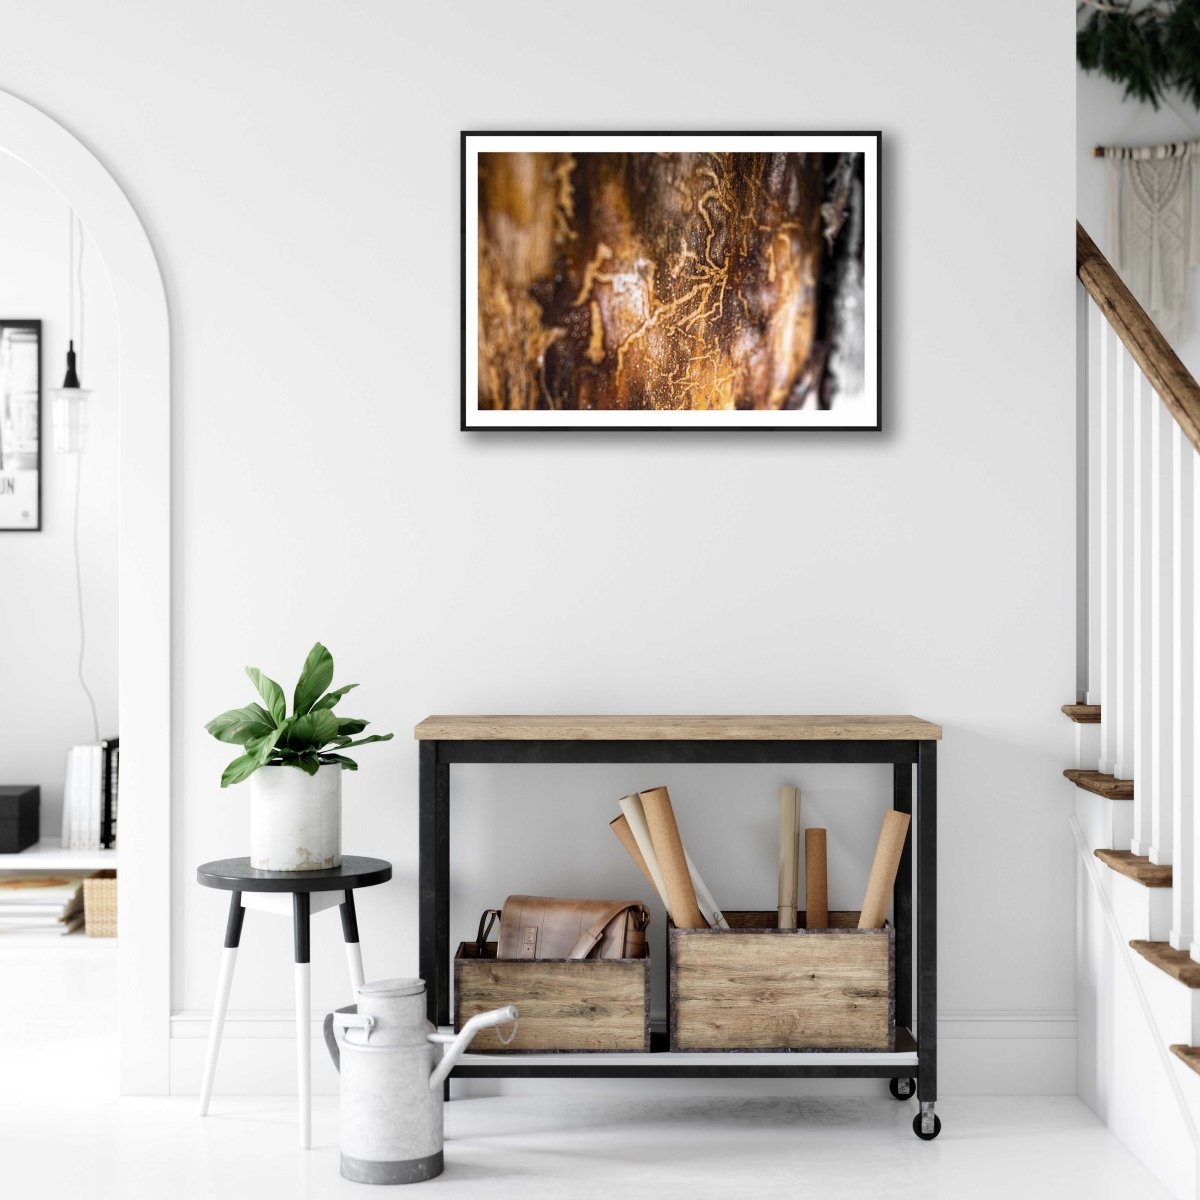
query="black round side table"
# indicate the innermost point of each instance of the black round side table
(310, 891)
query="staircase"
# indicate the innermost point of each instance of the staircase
(1135, 720)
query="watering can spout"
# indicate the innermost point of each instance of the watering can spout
(454, 1051)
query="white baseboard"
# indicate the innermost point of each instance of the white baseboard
(1017, 1052)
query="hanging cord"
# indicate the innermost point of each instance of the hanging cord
(79, 281)
(71, 274)
(74, 275)
(1176, 149)
(87, 691)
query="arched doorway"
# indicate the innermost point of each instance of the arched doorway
(144, 577)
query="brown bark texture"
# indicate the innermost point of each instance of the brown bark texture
(644, 281)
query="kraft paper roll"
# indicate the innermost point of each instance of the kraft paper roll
(620, 826)
(883, 870)
(789, 854)
(632, 820)
(672, 862)
(635, 818)
(816, 880)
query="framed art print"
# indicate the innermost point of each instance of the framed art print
(670, 281)
(20, 425)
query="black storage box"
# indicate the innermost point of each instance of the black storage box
(19, 816)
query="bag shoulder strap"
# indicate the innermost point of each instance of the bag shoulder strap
(485, 927)
(595, 931)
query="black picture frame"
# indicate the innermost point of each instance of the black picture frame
(21, 426)
(867, 415)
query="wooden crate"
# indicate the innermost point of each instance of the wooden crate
(100, 904)
(593, 1005)
(756, 987)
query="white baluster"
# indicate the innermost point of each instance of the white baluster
(1126, 410)
(1145, 404)
(1095, 344)
(1159, 760)
(1109, 524)
(1192, 677)
(1182, 725)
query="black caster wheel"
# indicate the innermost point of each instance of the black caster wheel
(902, 1089)
(927, 1137)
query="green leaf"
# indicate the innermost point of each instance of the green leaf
(348, 764)
(241, 768)
(351, 725)
(263, 748)
(309, 763)
(331, 698)
(310, 731)
(241, 725)
(271, 692)
(375, 737)
(315, 677)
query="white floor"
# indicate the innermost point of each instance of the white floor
(64, 1136)
(527, 1148)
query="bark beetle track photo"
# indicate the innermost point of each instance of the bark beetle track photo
(660, 281)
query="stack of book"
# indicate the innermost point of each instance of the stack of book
(41, 902)
(90, 793)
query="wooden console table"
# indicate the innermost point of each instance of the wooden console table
(899, 741)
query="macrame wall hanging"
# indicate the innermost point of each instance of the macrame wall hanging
(1154, 225)
(1154, 191)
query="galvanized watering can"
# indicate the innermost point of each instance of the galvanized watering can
(392, 1068)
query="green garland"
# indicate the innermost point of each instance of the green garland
(1150, 48)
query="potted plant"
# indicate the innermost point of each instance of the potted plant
(294, 764)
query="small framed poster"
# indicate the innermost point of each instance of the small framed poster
(20, 425)
(670, 281)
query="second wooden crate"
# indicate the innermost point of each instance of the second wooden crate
(756, 987)
(575, 1005)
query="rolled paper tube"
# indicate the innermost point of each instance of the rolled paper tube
(632, 824)
(620, 826)
(789, 853)
(704, 898)
(883, 870)
(816, 880)
(672, 862)
(635, 819)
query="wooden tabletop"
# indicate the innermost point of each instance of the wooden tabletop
(857, 728)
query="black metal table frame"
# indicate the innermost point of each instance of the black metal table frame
(436, 758)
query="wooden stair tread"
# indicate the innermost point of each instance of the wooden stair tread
(1136, 867)
(1189, 1055)
(1083, 714)
(1176, 963)
(1108, 786)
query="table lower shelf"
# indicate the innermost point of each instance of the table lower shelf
(662, 1063)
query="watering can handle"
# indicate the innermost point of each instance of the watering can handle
(331, 1042)
(343, 1017)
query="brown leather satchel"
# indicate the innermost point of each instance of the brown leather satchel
(541, 927)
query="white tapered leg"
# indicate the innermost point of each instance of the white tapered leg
(303, 1052)
(220, 1007)
(354, 960)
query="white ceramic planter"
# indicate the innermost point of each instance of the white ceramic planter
(296, 819)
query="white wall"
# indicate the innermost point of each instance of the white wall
(1104, 118)
(297, 167)
(43, 710)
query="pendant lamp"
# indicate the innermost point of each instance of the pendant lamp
(70, 409)
(69, 403)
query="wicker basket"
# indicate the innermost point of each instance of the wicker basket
(100, 904)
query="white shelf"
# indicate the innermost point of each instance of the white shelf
(48, 855)
(61, 941)
(797, 1058)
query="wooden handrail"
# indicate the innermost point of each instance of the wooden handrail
(1173, 382)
